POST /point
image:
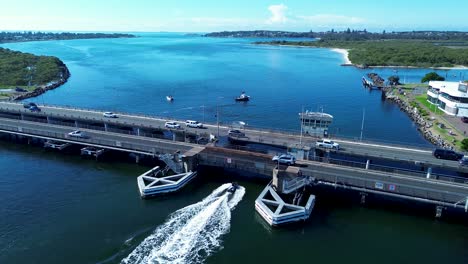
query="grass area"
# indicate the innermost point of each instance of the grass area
(28, 88)
(411, 86)
(422, 99)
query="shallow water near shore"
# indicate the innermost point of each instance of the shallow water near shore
(60, 208)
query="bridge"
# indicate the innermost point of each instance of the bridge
(147, 135)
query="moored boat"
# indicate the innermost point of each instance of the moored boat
(169, 98)
(242, 98)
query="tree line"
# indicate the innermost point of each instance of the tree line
(20, 69)
(391, 52)
(39, 36)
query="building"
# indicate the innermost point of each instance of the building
(315, 123)
(450, 97)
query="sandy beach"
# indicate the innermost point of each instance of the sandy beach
(345, 54)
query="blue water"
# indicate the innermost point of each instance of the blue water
(57, 208)
(135, 75)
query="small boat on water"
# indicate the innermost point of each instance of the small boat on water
(233, 187)
(169, 98)
(242, 98)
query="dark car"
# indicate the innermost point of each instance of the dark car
(447, 154)
(464, 119)
(464, 161)
(34, 109)
(236, 133)
(28, 105)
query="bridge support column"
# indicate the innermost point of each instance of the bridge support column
(439, 210)
(137, 158)
(76, 123)
(22, 116)
(367, 164)
(429, 172)
(105, 127)
(363, 197)
(138, 131)
(48, 119)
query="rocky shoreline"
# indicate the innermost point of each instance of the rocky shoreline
(423, 124)
(44, 88)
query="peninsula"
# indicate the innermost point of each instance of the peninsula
(366, 49)
(24, 75)
(7, 37)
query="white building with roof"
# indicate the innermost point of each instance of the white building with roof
(450, 97)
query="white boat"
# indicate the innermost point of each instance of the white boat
(169, 98)
(243, 98)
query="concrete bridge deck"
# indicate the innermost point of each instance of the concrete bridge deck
(38, 125)
(147, 126)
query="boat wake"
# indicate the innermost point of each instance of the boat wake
(192, 233)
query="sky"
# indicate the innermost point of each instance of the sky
(219, 15)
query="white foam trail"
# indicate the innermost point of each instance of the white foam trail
(191, 233)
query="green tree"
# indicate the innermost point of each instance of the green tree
(394, 80)
(432, 76)
(464, 144)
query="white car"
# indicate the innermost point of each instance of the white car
(194, 124)
(78, 134)
(327, 143)
(285, 159)
(172, 125)
(109, 114)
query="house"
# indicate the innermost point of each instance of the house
(450, 97)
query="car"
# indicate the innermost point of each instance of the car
(194, 124)
(285, 159)
(78, 134)
(172, 125)
(463, 161)
(34, 108)
(446, 154)
(464, 119)
(327, 143)
(110, 115)
(28, 105)
(236, 133)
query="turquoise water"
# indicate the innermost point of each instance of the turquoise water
(135, 75)
(58, 208)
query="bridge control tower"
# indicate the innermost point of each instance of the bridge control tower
(315, 123)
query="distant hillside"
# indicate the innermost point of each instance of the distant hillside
(260, 34)
(21, 69)
(6, 37)
(347, 35)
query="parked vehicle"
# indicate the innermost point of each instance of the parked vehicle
(326, 143)
(464, 119)
(194, 124)
(446, 154)
(110, 115)
(34, 108)
(78, 134)
(285, 159)
(172, 125)
(236, 133)
(464, 161)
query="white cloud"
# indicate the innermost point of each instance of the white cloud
(323, 20)
(278, 14)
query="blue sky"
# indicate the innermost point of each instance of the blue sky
(211, 15)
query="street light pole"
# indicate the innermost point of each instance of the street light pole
(217, 116)
(302, 121)
(362, 125)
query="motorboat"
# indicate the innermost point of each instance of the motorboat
(233, 187)
(242, 98)
(169, 98)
